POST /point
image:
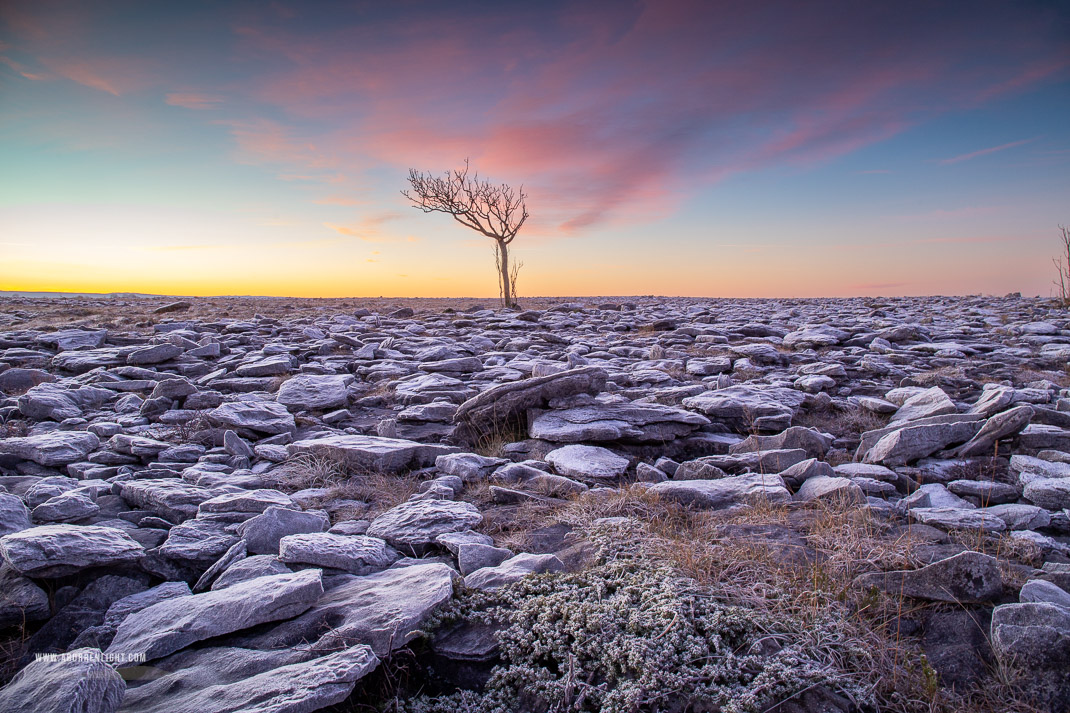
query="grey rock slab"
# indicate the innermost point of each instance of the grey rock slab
(54, 448)
(512, 570)
(950, 518)
(634, 422)
(292, 688)
(197, 541)
(170, 625)
(468, 466)
(993, 400)
(814, 443)
(1034, 637)
(1019, 516)
(472, 556)
(452, 541)
(21, 601)
(1050, 493)
(968, 577)
(14, 515)
(822, 487)
(1040, 590)
(593, 462)
(356, 554)
(748, 408)
(69, 339)
(799, 473)
(260, 416)
(81, 682)
(418, 523)
(66, 507)
(236, 553)
(170, 498)
(372, 453)
(988, 492)
(263, 532)
(383, 610)
(313, 392)
(250, 568)
(275, 365)
(997, 427)
(52, 401)
(931, 402)
(156, 354)
(486, 412)
(58, 550)
(246, 501)
(912, 443)
(81, 361)
(725, 492)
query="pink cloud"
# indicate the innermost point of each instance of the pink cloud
(193, 100)
(984, 152)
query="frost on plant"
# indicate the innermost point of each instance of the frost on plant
(631, 635)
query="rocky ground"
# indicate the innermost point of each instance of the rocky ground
(597, 505)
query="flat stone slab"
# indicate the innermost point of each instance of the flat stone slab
(81, 682)
(267, 417)
(372, 453)
(59, 550)
(293, 688)
(967, 578)
(356, 554)
(725, 492)
(315, 392)
(174, 624)
(418, 523)
(383, 610)
(587, 462)
(55, 448)
(636, 422)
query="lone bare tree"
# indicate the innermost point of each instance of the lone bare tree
(497, 211)
(1062, 264)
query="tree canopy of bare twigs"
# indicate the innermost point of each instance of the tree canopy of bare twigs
(496, 211)
(1062, 265)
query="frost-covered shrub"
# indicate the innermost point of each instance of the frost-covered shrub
(631, 635)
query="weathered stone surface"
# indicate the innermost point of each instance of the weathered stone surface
(82, 682)
(418, 523)
(814, 443)
(14, 515)
(968, 577)
(997, 427)
(951, 518)
(355, 554)
(315, 393)
(636, 422)
(822, 487)
(468, 466)
(506, 403)
(587, 462)
(250, 568)
(173, 624)
(726, 492)
(259, 416)
(171, 499)
(748, 408)
(1034, 638)
(65, 507)
(55, 448)
(1039, 590)
(21, 601)
(383, 610)
(263, 532)
(58, 550)
(1050, 493)
(931, 402)
(291, 688)
(156, 354)
(511, 570)
(372, 453)
(911, 443)
(52, 401)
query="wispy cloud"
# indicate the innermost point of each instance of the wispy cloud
(985, 152)
(369, 229)
(193, 100)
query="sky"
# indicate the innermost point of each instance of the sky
(722, 149)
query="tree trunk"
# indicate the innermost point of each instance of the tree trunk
(507, 297)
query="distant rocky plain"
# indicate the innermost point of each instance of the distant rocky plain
(178, 477)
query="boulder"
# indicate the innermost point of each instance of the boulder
(505, 404)
(355, 554)
(266, 417)
(80, 682)
(54, 448)
(587, 462)
(173, 624)
(313, 392)
(725, 492)
(512, 570)
(632, 422)
(372, 453)
(59, 550)
(966, 578)
(415, 524)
